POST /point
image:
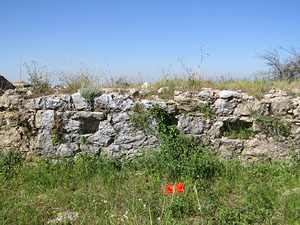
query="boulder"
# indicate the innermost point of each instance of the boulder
(190, 124)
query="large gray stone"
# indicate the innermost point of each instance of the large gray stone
(114, 151)
(216, 129)
(45, 119)
(50, 103)
(105, 128)
(100, 140)
(281, 106)
(204, 95)
(226, 94)
(190, 124)
(44, 142)
(127, 104)
(95, 115)
(80, 103)
(120, 117)
(246, 108)
(223, 107)
(9, 100)
(129, 138)
(67, 150)
(149, 103)
(106, 100)
(72, 126)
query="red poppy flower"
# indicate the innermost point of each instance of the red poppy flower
(170, 189)
(180, 188)
(165, 194)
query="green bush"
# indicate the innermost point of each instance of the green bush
(90, 91)
(184, 155)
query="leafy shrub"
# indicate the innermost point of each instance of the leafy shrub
(185, 156)
(90, 91)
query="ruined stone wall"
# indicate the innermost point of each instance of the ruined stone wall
(67, 125)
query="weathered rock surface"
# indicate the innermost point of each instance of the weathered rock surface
(67, 125)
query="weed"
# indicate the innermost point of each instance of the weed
(28, 130)
(140, 117)
(84, 140)
(39, 77)
(9, 161)
(238, 130)
(57, 131)
(74, 81)
(205, 111)
(270, 125)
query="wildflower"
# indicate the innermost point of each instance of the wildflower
(105, 201)
(169, 189)
(180, 188)
(165, 194)
(125, 215)
(145, 205)
(158, 218)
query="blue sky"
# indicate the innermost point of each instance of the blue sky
(143, 38)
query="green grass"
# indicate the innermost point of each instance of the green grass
(102, 190)
(238, 130)
(109, 191)
(257, 87)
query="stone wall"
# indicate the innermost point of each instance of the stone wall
(66, 125)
